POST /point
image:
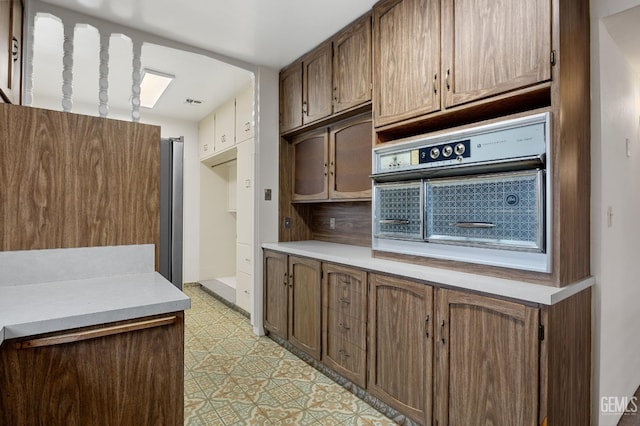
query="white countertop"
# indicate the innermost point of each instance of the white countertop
(361, 257)
(28, 308)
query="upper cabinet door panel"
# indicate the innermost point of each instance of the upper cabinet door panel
(244, 115)
(352, 65)
(406, 59)
(317, 86)
(291, 97)
(310, 167)
(350, 160)
(492, 47)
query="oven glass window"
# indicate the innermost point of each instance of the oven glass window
(503, 211)
(398, 210)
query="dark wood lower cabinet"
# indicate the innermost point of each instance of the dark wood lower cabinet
(400, 350)
(276, 292)
(442, 356)
(487, 362)
(305, 320)
(128, 373)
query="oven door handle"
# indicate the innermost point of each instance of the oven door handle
(474, 225)
(394, 221)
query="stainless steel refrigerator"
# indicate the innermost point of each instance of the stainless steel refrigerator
(171, 189)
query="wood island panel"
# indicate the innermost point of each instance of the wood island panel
(77, 181)
(132, 377)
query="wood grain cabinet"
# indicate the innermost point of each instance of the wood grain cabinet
(400, 355)
(344, 321)
(332, 78)
(352, 65)
(487, 362)
(11, 51)
(333, 163)
(292, 300)
(480, 57)
(128, 373)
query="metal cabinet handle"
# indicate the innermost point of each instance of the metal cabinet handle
(304, 108)
(474, 225)
(343, 300)
(447, 79)
(344, 353)
(345, 326)
(426, 326)
(325, 168)
(15, 49)
(442, 332)
(290, 280)
(94, 334)
(435, 83)
(285, 279)
(394, 221)
(332, 168)
(247, 126)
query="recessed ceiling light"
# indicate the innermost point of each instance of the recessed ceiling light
(153, 85)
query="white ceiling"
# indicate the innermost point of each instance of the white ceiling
(272, 33)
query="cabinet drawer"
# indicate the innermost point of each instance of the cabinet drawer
(244, 258)
(346, 327)
(342, 299)
(346, 355)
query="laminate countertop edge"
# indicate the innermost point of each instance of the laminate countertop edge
(27, 310)
(360, 257)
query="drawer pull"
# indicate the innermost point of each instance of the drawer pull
(345, 326)
(442, 332)
(343, 353)
(94, 334)
(426, 326)
(343, 300)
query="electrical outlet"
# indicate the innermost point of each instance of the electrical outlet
(287, 223)
(332, 223)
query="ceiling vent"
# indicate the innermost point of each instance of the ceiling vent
(192, 101)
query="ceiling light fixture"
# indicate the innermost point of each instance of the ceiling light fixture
(153, 85)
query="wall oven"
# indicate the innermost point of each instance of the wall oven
(479, 195)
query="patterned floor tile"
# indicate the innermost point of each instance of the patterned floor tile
(234, 378)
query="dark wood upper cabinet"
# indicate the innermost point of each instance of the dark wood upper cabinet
(316, 84)
(291, 97)
(334, 163)
(494, 47)
(276, 286)
(350, 159)
(352, 65)
(487, 350)
(11, 51)
(310, 166)
(406, 40)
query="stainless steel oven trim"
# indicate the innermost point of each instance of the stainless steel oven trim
(537, 247)
(374, 203)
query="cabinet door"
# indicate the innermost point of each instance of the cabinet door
(494, 47)
(291, 97)
(310, 167)
(352, 65)
(275, 293)
(225, 126)
(316, 84)
(243, 291)
(206, 136)
(119, 373)
(400, 350)
(486, 361)
(244, 215)
(350, 160)
(244, 115)
(305, 305)
(344, 321)
(407, 59)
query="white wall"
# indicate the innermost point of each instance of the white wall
(615, 249)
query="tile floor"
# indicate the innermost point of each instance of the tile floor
(233, 377)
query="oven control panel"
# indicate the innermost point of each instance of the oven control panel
(525, 137)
